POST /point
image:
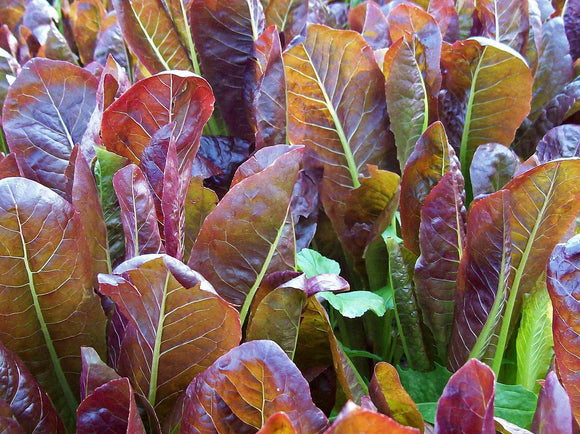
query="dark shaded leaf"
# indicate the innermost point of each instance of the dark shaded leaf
(401, 269)
(368, 19)
(171, 335)
(137, 213)
(26, 400)
(430, 160)
(94, 373)
(563, 276)
(553, 414)
(554, 55)
(343, 132)
(45, 114)
(467, 401)
(244, 237)
(224, 34)
(354, 419)
(270, 99)
(110, 408)
(177, 96)
(446, 15)
(266, 381)
(385, 387)
(48, 305)
(441, 239)
(493, 166)
(560, 142)
(148, 30)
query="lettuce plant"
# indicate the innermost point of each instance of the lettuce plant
(298, 216)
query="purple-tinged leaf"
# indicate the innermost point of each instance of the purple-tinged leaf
(110, 408)
(441, 239)
(111, 43)
(94, 373)
(265, 382)
(427, 164)
(343, 132)
(270, 99)
(84, 197)
(505, 21)
(9, 69)
(446, 15)
(244, 237)
(482, 281)
(137, 212)
(47, 306)
(467, 401)
(177, 96)
(112, 84)
(11, 13)
(56, 47)
(224, 34)
(28, 402)
(571, 20)
(553, 413)
(173, 202)
(465, 10)
(148, 30)
(368, 19)
(563, 285)
(493, 166)
(554, 55)
(225, 153)
(354, 419)
(45, 114)
(289, 16)
(560, 142)
(277, 318)
(38, 17)
(177, 326)
(259, 161)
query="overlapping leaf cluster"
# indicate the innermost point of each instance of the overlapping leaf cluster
(239, 216)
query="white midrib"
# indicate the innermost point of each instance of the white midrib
(352, 169)
(69, 396)
(148, 38)
(152, 396)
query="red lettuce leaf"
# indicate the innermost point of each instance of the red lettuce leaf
(245, 237)
(86, 17)
(45, 114)
(493, 166)
(446, 15)
(430, 160)
(278, 423)
(505, 21)
(177, 326)
(553, 413)
(137, 212)
(94, 373)
(354, 419)
(27, 401)
(177, 96)
(560, 142)
(441, 238)
(199, 203)
(289, 16)
(149, 31)
(368, 19)
(467, 401)
(270, 99)
(266, 382)
(563, 277)
(482, 281)
(224, 34)
(110, 408)
(48, 308)
(9, 167)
